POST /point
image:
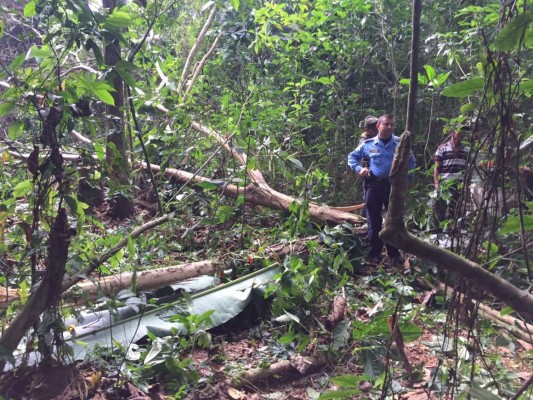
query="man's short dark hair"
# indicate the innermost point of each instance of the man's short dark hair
(370, 120)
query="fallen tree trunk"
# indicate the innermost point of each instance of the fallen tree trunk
(255, 175)
(520, 329)
(261, 195)
(282, 369)
(156, 278)
(145, 280)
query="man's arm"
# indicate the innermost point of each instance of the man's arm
(354, 159)
(436, 174)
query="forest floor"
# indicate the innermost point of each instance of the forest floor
(235, 348)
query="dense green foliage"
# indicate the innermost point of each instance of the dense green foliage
(288, 82)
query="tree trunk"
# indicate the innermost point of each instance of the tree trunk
(118, 166)
(48, 291)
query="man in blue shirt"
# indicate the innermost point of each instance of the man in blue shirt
(380, 152)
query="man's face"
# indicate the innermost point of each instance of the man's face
(371, 131)
(457, 137)
(386, 127)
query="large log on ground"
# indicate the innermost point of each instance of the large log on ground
(263, 195)
(145, 280)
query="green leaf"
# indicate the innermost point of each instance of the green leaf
(512, 225)
(17, 62)
(338, 394)
(105, 96)
(23, 188)
(15, 130)
(126, 77)
(468, 107)
(506, 311)
(410, 331)
(297, 163)
(463, 89)
(326, 80)
(235, 4)
(39, 52)
(430, 72)
(6, 108)
(510, 36)
(119, 19)
(207, 185)
(348, 381)
(441, 78)
(30, 10)
(479, 393)
(526, 86)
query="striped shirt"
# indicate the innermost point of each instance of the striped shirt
(452, 161)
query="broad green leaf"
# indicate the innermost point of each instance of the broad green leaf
(100, 85)
(512, 225)
(105, 96)
(30, 10)
(119, 19)
(39, 52)
(468, 107)
(15, 130)
(506, 311)
(410, 331)
(348, 380)
(430, 72)
(72, 203)
(235, 4)
(2, 28)
(526, 86)
(6, 108)
(207, 185)
(479, 393)
(510, 36)
(91, 45)
(463, 89)
(339, 394)
(156, 348)
(126, 77)
(326, 80)
(17, 62)
(296, 163)
(441, 78)
(23, 188)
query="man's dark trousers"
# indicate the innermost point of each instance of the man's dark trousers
(376, 197)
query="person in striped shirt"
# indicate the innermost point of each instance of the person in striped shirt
(450, 160)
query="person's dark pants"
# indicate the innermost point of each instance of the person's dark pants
(446, 205)
(376, 199)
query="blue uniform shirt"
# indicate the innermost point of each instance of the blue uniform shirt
(379, 154)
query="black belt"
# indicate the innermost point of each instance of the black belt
(374, 178)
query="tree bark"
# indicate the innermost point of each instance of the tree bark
(294, 366)
(199, 40)
(263, 195)
(49, 290)
(118, 165)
